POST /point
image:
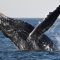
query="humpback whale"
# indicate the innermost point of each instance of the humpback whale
(27, 37)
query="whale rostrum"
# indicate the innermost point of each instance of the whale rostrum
(27, 37)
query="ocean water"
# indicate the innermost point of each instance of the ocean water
(8, 51)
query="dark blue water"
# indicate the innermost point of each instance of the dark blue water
(29, 55)
(8, 51)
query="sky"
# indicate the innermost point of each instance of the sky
(28, 8)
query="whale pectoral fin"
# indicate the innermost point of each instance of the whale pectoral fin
(47, 23)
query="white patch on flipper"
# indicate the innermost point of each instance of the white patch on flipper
(34, 29)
